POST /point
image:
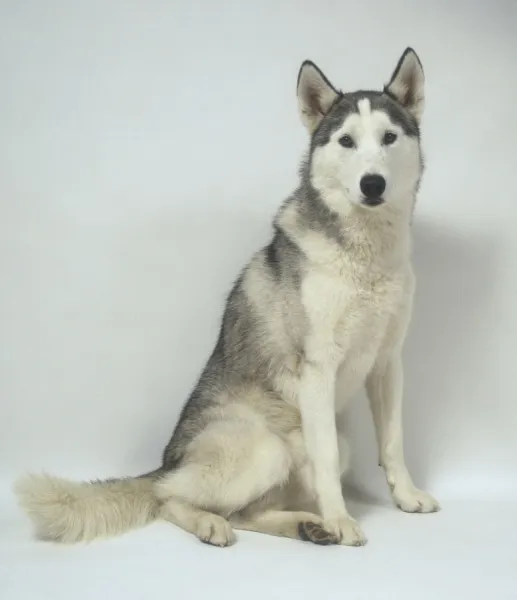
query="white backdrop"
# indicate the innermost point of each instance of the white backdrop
(144, 149)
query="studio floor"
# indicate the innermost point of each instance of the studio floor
(467, 551)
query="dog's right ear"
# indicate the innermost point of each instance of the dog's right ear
(315, 95)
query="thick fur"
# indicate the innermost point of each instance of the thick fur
(328, 300)
(67, 511)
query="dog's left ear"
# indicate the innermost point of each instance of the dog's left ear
(407, 83)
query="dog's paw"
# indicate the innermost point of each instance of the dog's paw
(415, 501)
(216, 531)
(315, 532)
(346, 530)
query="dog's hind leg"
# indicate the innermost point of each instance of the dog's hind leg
(231, 464)
(292, 524)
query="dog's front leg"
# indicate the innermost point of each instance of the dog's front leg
(316, 403)
(385, 391)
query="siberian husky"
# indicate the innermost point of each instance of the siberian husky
(256, 446)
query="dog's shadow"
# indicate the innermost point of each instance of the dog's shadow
(455, 279)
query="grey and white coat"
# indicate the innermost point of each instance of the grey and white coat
(256, 446)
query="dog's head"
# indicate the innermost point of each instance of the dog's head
(365, 145)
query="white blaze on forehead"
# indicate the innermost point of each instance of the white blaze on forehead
(371, 121)
(365, 125)
(364, 107)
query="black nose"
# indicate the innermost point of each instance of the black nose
(372, 186)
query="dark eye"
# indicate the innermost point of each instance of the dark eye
(346, 141)
(389, 138)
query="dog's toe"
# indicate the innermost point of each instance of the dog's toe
(316, 533)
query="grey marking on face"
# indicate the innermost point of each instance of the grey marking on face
(312, 210)
(347, 104)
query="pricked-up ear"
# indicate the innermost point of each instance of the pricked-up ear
(315, 95)
(407, 83)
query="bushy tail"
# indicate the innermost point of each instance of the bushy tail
(68, 511)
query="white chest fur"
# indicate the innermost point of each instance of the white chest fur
(352, 293)
(349, 312)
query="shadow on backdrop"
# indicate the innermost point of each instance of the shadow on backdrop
(455, 283)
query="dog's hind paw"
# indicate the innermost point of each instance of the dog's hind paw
(216, 531)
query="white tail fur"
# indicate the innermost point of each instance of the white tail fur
(68, 511)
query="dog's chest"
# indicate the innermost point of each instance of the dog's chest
(351, 314)
(365, 311)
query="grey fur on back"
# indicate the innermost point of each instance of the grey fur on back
(246, 352)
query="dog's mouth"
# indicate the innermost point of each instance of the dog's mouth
(372, 201)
